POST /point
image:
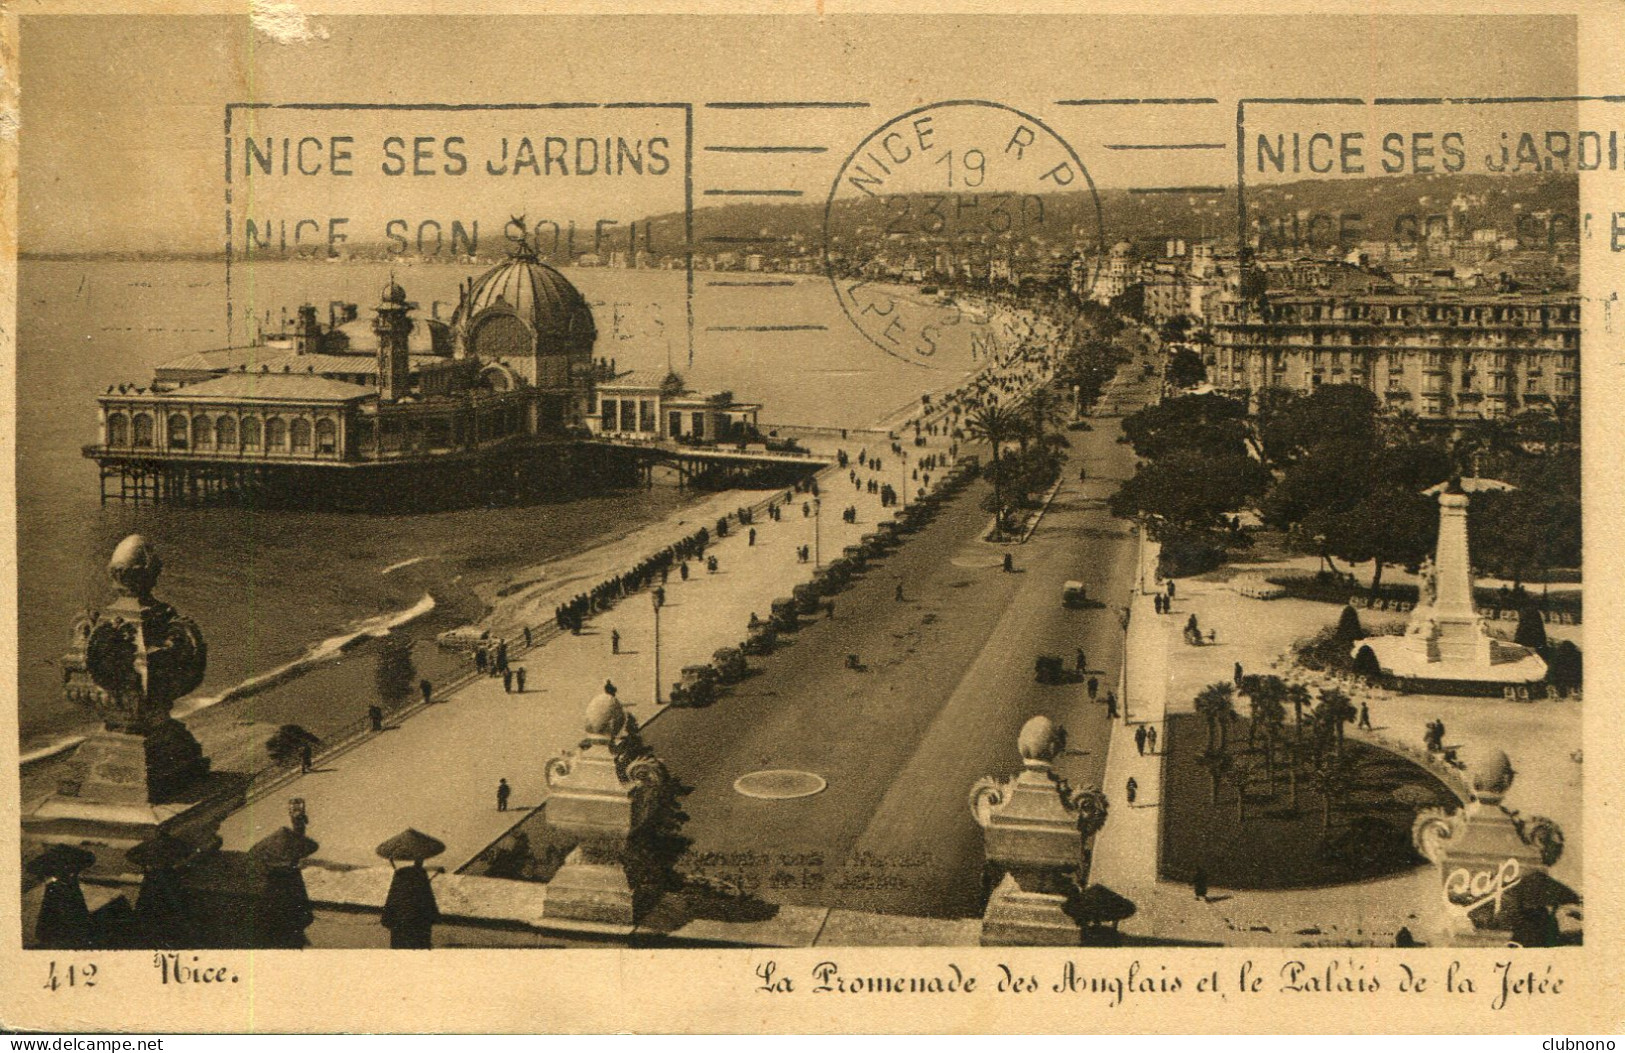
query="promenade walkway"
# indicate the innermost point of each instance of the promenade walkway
(438, 769)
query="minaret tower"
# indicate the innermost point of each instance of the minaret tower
(393, 326)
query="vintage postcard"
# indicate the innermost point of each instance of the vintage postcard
(427, 616)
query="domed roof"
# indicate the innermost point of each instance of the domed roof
(541, 296)
(429, 336)
(393, 293)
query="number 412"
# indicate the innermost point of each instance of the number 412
(71, 976)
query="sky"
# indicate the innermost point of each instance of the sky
(123, 144)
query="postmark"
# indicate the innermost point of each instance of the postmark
(961, 196)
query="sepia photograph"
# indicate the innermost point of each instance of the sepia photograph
(423, 426)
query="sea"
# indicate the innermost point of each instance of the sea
(274, 589)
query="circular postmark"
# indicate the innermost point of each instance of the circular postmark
(942, 208)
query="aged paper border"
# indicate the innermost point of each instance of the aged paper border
(714, 991)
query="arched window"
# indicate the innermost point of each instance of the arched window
(141, 427)
(327, 436)
(225, 432)
(118, 429)
(178, 431)
(251, 432)
(202, 431)
(299, 432)
(276, 434)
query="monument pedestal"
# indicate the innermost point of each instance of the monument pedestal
(117, 767)
(1028, 917)
(592, 885)
(1446, 648)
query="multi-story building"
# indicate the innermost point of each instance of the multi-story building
(1447, 355)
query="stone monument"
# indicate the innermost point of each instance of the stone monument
(1493, 863)
(129, 663)
(1040, 832)
(1447, 648)
(604, 794)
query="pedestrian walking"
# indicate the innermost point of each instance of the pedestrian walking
(519, 679)
(1238, 674)
(304, 757)
(1009, 563)
(1139, 739)
(479, 660)
(1094, 688)
(1170, 588)
(1365, 716)
(1199, 884)
(527, 636)
(682, 570)
(1111, 705)
(614, 641)
(1132, 789)
(507, 681)
(426, 689)
(1151, 739)
(504, 791)
(751, 536)
(376, 717)
(1083, 663)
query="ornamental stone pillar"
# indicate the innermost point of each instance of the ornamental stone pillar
(129, 664)
(1040, 833)
(603, 794)
(1493, 863)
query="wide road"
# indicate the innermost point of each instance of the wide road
(947, 682)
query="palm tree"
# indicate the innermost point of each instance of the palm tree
(1272, 716)
(1215, 703)
(994, 425)
(1292, 758)
(1218, 764)
(1297, 695)
(1261, 691)
(1333, 782)
(1334, 711)
(1237, 773)
(1044, 412)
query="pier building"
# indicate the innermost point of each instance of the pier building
(360, 408)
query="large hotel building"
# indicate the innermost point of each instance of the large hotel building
(1447, 355)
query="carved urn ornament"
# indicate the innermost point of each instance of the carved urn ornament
(1039, 831)
(1492, 861)
(133, 659)
(129, 663)
(603, 793)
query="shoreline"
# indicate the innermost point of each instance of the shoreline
(516, 596)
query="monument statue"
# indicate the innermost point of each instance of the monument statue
(1447, 648)
(129, 664)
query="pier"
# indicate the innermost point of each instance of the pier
(525, 469)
